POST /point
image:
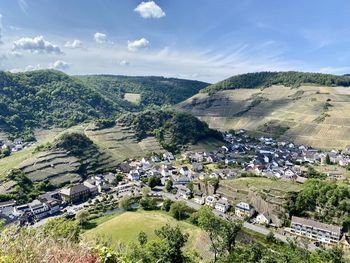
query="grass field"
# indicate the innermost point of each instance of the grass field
(316, 116)
(132, 97)
(125, 228)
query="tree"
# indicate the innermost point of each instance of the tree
(169, 185)
(211, 224)
(328, 159)
(125, 203)
(270, 237)
(166, 205)
(59, 228)
(148, 203)
(142, 238)
(179, 210)
(153, 181)
(82, 216)
(175, 240)
(229, 232)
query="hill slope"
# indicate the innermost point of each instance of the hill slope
(313, 114)
(151, 90)
(46, 98)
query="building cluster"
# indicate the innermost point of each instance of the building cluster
(13, 146)
(240, 153)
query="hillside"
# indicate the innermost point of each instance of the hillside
(170, 128)
(267, 79)
(311, 114)
(47, 98)
(139, 92)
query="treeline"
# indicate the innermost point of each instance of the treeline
(325, 201)
(266, 79)
(153, 90)
(46, 98)
(171, 128)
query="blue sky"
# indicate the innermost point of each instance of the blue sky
(199, 39)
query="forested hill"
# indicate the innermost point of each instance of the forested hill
(152, 90)
(46, 98)
(266, 79)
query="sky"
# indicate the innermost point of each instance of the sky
(208, 40)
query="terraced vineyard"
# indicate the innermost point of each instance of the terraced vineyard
(120, 142)
(312, 115)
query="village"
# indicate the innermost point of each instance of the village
(177, 177)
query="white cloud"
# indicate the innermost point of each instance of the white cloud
(149, 10)
(124, 63)
(15, 53)
(36, 45)
(74, 44)
(59, 64)
(100, 37)
(26, 68)
(138, 44)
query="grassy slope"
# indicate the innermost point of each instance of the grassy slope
(126, 227)
(301, 109)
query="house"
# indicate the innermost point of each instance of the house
(39, 209)
(124, 167)
(91, 184)
(76, 193)
(210, 201)
(168, 156)
(222, 205)
(199, 198)
(263, 219)
(155, 159)
(6, 208)
(181, 180)
(21, 210)
(134, 175)
(54, 206)
(244, 210)
(184, 192)
(315, 230)
(184, 171)
(197, 167)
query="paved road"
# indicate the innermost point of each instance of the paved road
(256, 228)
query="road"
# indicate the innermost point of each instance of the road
(256, 228)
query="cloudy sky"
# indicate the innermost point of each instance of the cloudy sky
(199, 39)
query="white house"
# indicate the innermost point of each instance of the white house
(210, 201)
(263, 219)
(222, 205)
(134, 175)
(199, 198)
(184, 171)
(243, 210)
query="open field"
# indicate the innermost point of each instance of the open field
(206, 145)
(312, 115)
(132, 97)
(126, 227)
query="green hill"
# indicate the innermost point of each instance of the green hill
(47, 98)
(172, 129)
(152, 90)
(267, 79)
